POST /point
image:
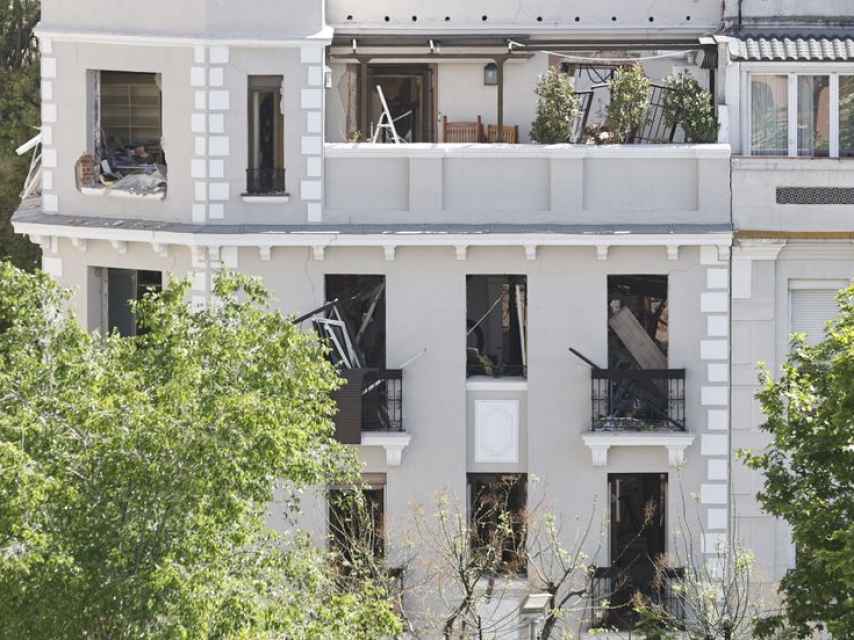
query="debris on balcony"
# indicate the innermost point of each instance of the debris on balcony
(496, 326)
(33, 182)
(353, 323)
(125, 155)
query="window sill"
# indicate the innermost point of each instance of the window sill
(675, 443)
(271, 198)
(485, 383)
(106, 192)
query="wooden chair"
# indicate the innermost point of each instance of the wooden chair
(461, 132)
(510, 134)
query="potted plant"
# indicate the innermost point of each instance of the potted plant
(630, 91)
(688, 105)
(557, 107)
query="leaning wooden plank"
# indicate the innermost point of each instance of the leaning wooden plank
(637, 340)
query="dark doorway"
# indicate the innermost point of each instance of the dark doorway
(408, 89)
(638, 540)
(356, 523)
(123, 286)
(266, 170)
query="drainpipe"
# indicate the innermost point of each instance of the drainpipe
(740, 2)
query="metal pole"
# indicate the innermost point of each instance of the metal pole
(363, 97)
(500, 64)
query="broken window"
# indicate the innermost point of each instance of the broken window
(637, 322)
(497, 519)
(265, 174)
(637, 392)
(122, 287)
(125, 152)
(496, 325)
(361, 311)
(357, 520)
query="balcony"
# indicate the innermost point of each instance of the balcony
(631, 400)
(612, 591)
(370, 411)
(638, 407)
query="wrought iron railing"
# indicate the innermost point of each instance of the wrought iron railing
(382, 400)
(260, 182)
(613, 595)
(638, 399)
(655, 129)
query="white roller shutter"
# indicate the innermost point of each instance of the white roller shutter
(811, 309)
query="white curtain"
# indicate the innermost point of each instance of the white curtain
(769, 115)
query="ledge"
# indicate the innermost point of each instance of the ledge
(278, 198)
(394, 443)
(786, 164)
(675, 443)
(112, 193)
(577, 151)
(485, 383)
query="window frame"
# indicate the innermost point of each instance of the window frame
(792, 71)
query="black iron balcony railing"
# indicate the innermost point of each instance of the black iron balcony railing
(613, 595)
(265, 182)
(371, 400)
(382, 400)
(638, 399)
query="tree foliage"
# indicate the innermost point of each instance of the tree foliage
(809, 474)
(19, 115)
(136, 474)
(630, 91)
(557, 107)
(688, 105)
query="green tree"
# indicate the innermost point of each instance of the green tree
(136, 474)
(630, 91)
(557, 107)
(19, 117)
(809, 475)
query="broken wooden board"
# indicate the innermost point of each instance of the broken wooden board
(637, 340)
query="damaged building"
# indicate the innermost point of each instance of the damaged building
(519, 320)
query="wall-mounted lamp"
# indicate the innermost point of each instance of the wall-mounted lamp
(490, 75)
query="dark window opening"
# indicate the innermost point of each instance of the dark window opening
(497, 519)
(124, 286)
(125, 146)
(408, 90)
(266, 172)
(354, 326)
(496, 326)
(356, 523)
(637, 322)
(362, 309)
(638, 529)
(624, 399)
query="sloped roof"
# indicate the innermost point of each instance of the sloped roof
(812, 48)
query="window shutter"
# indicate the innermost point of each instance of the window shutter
(811, 310)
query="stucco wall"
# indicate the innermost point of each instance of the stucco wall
(426, 310)
(754, 192)
(561, 184)
(782, 9)
(761, 333)
(703, 13)
(273, 19)
(205, 125)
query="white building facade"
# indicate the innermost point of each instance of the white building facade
(200, 136)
